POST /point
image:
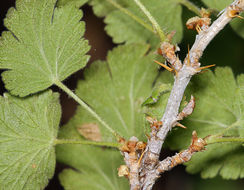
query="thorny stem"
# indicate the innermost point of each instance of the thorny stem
(85, 106)
(152, 20)
(127, 12)
(191, 6)
(185, 73)
(85, 142)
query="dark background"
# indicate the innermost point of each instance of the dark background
(226, 49)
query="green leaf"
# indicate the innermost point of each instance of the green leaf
(215, 183)
(95, 167)
(219, 110)
(103, 7)
(43, 45)
(223, 159)
(123, 28)
(237, 24)
(77, 3)
(28, 128)
(115, 89)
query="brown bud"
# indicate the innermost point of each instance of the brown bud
(123, 170)
(193, 22)
(197, 144)
(141, 145)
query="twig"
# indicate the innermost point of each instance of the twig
(167, 164)
(155, 142)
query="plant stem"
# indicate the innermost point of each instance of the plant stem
(125, 11)
(152, 20)
(85, 106)
(191, 6)
(215, 139)
(84, 142)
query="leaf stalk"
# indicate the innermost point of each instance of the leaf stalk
(85, 142)
(86, 107)
(155, 24)
(130, 14)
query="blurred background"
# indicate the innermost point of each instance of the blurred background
(227, 49)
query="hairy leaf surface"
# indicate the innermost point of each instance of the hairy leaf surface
(124, 28)
(43, 45)
(116, 89)
(219, 5)
(28, 128)
(219, 110)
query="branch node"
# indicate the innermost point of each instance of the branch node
(180, 125)
(188, 109)
(197, 23)
(233, 11)
(197, 144)
(167, 50)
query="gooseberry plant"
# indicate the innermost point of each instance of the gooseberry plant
(127, 106)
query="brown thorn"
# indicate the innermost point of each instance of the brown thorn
(205, 67)
(139, 161)
(198, 28)
(201, 72)
(174, 70)
(148, 136)
(188, 56)
(164, 66)
(238, 16)
(232, 13)
(180, 125)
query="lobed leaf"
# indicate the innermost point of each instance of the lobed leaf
(43, 45)
(28, 128)
(237, 24)
(115, 90)
(219, 110)
(123, 28)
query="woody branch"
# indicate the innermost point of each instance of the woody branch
(183, 73)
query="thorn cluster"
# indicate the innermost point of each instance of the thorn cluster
(197, 23)
(132, 150)
(233, 11)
